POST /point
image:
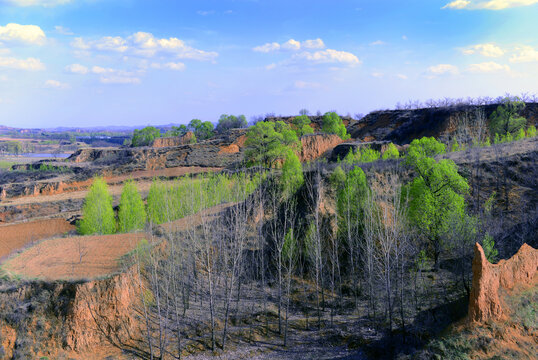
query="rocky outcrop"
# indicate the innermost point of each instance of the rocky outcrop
(403, 126)
(316, 145)
(83, 317)
(101, 311)
(490, 280)
(186, 139)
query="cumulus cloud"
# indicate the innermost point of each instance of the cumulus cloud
(175, 66)
(143, 44)
(524, 54)
(488, 50)
(30, 64)
(488, 4)
(442, 69)
(46, 3)
(77, 69)
(328, 56)
(267, 47)
(487, 67)
(291, 45)
(28, 34)
(55, 84)
(402, 76)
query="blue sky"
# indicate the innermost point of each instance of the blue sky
(138, 62)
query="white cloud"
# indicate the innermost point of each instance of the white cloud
(29, 34)
(291, 45)
(307, 85)
(114, 79)
(102, 70)
(377, 74)
(30, 64)
(404, 37)
(55, 84)
(488, 50)
(46, 3)
(63, 30)
(144, 44)
(402, 76)
(488, 4)
(487, 67)
(458, 4)
(378, 42)
(328, 56)
(267, 47)
(270, 66)
(179, 66)
(442, 69)
(77, 69)
(314, 44)
(524, 54)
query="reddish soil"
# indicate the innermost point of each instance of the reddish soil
(488, 279)
(57, 259)
(13, 237)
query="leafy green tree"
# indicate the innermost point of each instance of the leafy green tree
(292, 174)
(227, 122)
(177, 131)
(436, 193)
(202, 130)
(158, 200)
(267, 142)
(145, 136)
(301, 125)
(333, 124)
(391, 152)
(506, 119)
(97, 212)
(132, 213)
(531, 131)
(338, 177)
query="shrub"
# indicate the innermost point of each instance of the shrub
(531, 131)
(292, 174)
(301, 125)
(391, 152)
(227, 122)
(506, 120)
(145, 136)
(367, 154)
(333, 124)
(520, 134)
(488, 244)
(97, 212)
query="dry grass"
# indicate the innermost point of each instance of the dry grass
(13, 237)
(59, 259)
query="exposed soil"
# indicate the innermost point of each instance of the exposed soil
(16, 236)
(58, 259)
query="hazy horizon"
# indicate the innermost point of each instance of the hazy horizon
(87, 63)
